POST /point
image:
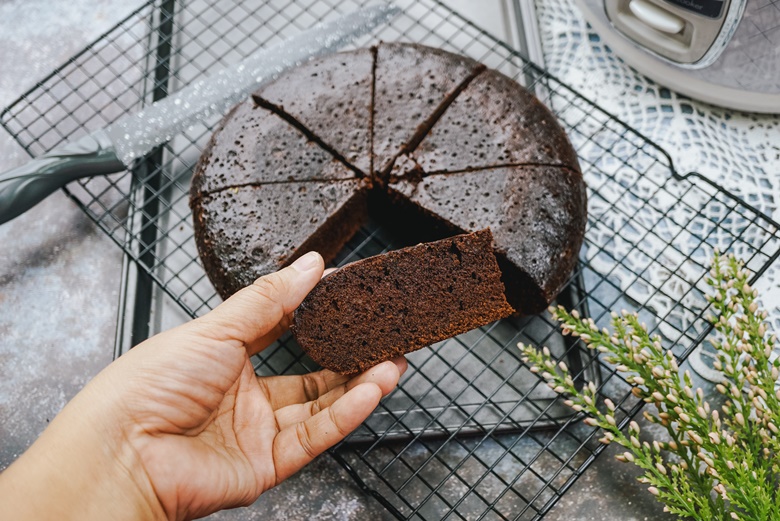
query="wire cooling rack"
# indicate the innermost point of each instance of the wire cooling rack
(470, 433)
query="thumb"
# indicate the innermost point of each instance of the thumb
(258, 314)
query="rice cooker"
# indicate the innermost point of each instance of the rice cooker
(725, 52)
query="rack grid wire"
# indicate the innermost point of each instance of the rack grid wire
(470, 433)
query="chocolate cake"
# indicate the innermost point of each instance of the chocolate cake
(246, 232)
(532, 202)
(331, 98)
(235, 157)
(427, 142)
(414, 85)
(385, 306)
(494, 122)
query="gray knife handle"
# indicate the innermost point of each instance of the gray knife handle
(25, 186)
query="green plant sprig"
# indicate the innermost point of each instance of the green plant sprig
(712, 465)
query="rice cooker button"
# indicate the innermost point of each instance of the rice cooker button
(656, 17)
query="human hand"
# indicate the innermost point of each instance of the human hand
(188, 428)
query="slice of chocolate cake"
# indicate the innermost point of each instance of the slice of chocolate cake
(537, 216)
(412, 83)
(494, 122)
(391, 304)
(245, 232)
(331, 97)
(235, 156)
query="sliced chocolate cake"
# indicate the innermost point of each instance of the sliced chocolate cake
(414, 84)
(236, 157)
(388, 305)
(290, 170)
(247, 232)
(536, 214)
(331, 98)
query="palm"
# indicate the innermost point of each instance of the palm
(215, 434)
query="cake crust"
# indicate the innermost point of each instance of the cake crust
(237, 230)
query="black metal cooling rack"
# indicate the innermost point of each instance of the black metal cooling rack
(470, 433)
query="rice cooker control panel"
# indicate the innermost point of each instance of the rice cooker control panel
(679, 30)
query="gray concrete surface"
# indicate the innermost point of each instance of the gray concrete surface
(58, 273)
(59, 281)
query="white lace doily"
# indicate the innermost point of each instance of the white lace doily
(739, 151)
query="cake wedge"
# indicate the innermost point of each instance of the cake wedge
(388, 305)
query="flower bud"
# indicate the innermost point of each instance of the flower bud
(695, 437)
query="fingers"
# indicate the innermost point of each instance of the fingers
(256, 315)
(298, 444)
(282, 327)
(385, 376)
(282, 391)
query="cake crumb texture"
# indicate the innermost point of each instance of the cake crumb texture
(385, 306)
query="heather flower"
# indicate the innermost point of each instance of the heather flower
(711, 466)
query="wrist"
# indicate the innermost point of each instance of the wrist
(82, 467)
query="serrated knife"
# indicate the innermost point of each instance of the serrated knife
(114, 148)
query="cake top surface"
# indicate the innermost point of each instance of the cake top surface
(254, 230)
(418, 129)
(234, 157)
(331, 96)
(493, 122)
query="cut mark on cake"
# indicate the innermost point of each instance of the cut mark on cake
(504, 165)
(279, 111)
(371, 116)
(425, 127)
(260, 184)
(416, 173)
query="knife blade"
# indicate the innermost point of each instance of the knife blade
(115, 147)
